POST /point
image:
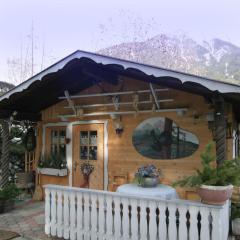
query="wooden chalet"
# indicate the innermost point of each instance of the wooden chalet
(119, 115)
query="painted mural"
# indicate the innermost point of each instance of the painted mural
(161, 138)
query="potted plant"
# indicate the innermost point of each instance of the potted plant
(148, 176)
(7, 197)
(215, 184)
(235, 216)
(53, 164)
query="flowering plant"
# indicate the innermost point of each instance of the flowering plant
(52, 161)
(148, 171)
(86, 168)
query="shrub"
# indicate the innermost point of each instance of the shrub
(226, 173)
(10, 192)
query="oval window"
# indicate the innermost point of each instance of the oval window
(161, 138)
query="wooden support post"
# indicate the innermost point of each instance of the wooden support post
(70, 102)
(4, 164)
(220, 130)
(116, 100)
(154, 95)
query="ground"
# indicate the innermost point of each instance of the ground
(27, 219)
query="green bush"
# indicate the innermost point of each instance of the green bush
(226, 173)
(10, 192)
(235, 210)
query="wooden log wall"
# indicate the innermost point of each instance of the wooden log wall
(123, 158)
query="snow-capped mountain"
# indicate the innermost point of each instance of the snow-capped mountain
(216, 59)
(5, 87)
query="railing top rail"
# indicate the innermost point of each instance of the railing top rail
(121, 195)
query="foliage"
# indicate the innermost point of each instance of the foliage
(86, 168)
(53, 161)
(16, 151)
(226, 173)
(10, 192)
(235, 210)
(29, 139)
(147, 171)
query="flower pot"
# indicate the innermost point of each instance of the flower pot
(149, 182)
(215, 195)
(236, 226)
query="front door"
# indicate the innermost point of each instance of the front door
(88, 147)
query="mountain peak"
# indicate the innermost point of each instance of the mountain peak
(5, 87)
(217, 58)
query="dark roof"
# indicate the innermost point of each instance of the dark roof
(81, 70)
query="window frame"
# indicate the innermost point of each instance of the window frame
(59, 143)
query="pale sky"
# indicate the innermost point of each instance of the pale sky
(63, 26)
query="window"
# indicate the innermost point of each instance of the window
(58, 145)
(88, 145)
(161, 138)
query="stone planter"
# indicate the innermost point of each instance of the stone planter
(148, 182)
(236, 226)
(53, 172)
(215, 195)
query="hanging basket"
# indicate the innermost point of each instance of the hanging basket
(29, 140)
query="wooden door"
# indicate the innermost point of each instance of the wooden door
(88, 147)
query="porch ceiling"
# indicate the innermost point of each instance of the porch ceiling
(81, 70)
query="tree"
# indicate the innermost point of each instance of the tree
(31, 59)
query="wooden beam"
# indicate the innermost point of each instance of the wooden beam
(124, 112)
(116, 102)
(120, 103)
(154, 96)
(113, 93)
(70, 102)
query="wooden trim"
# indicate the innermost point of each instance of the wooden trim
(120, 103)
(70, 102)
(153, 91)
(123, 112)
(30, 161)
(114, 93)
(69, 134)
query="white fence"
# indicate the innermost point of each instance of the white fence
(76, 213)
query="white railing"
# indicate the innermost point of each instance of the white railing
(76, 213)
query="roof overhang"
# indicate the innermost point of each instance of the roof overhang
(76, 72)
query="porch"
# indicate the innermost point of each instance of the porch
(76, 213)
